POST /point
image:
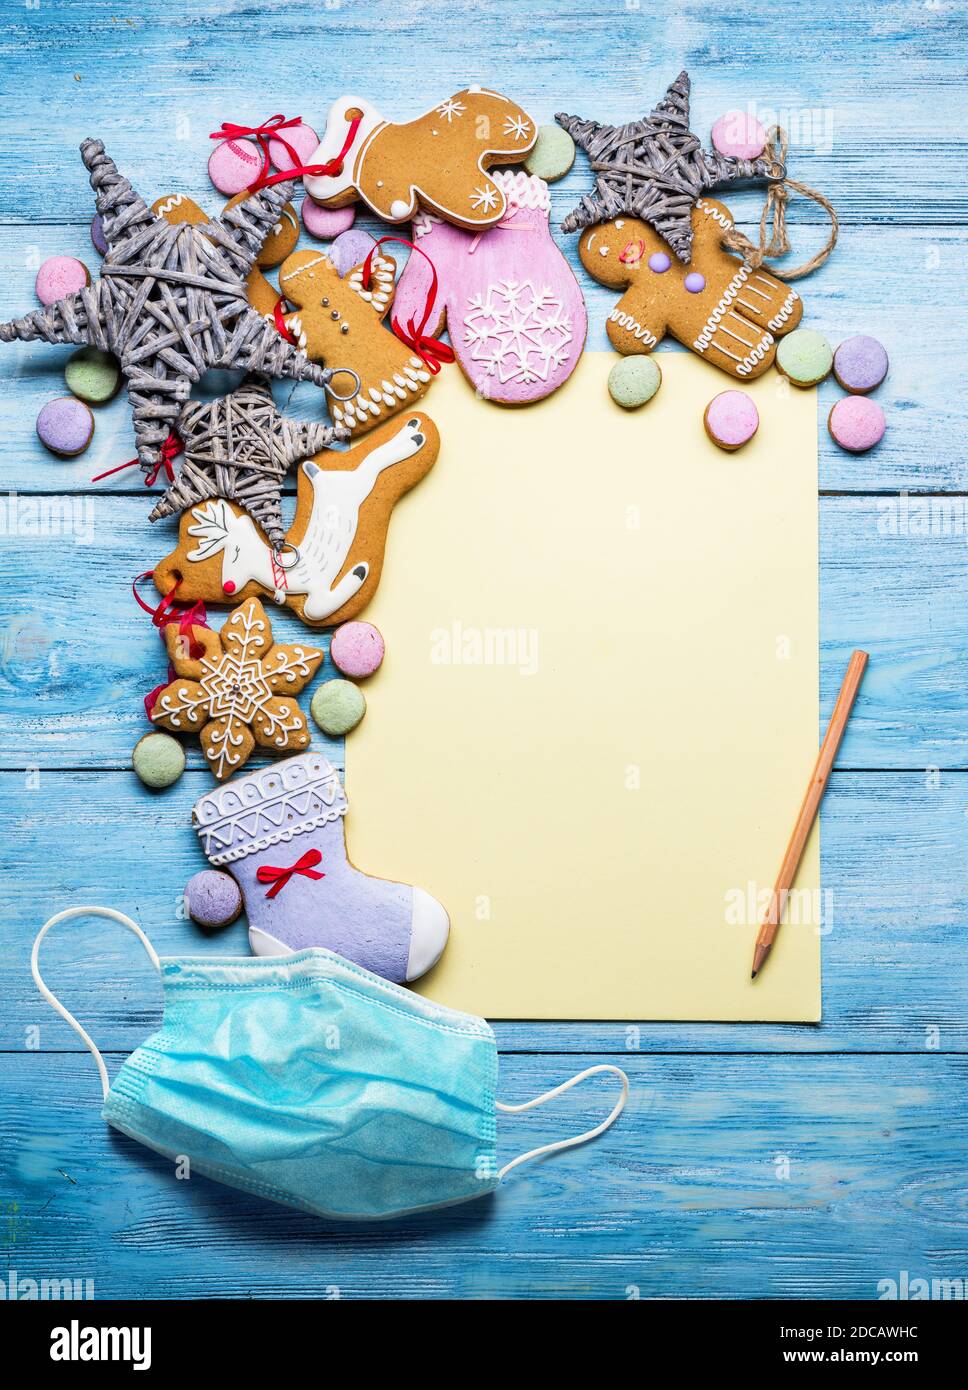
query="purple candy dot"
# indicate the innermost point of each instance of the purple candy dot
(659, 262)
(694, 282)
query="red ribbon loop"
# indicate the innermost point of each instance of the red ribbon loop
(431, 351)
(170, 450)
(269, 873)
(282, 328)
(298, 170)
(165, 613)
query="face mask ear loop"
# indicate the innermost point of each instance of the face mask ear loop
(52, 999)
(616, 1110)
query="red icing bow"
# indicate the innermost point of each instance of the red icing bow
(270, 130)
(431, 351)
(269, 873)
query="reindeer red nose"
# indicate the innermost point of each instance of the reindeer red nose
(229, 586)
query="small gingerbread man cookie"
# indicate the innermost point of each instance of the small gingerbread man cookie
(437, 163)
(720, 307)
(340, 321)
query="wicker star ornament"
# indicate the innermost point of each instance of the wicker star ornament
(240, 447)
(171, 302)
(239, 692)
(655, 169)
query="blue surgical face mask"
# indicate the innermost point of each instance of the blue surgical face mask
(310, 1081)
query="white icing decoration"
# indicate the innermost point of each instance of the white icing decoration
(780, 318)
(484, 199)
(714, 212)
(518, 332)
(450, 109)
(634, 327)
(268, 807)
(523, 190)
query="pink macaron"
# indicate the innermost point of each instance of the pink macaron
(731, 420)
(326, 223)
(60, 276)
(234, 165)
(302, 138)
(856, 423)
(357, 649)
(739, 135)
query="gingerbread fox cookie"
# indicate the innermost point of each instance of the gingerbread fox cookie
(437, 163)
(338, 320)
(330, 563)
(262, 295)
(720, 307)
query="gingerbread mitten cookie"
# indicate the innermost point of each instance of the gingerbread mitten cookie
(340, 320)
(514, 309)
(437, 163)
(279, 833)
(720, 307)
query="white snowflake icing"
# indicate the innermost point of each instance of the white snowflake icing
(518, 127)
(518, 332)
(451, 108)
(484, 199)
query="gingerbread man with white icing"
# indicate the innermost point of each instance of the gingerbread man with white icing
(718, 306)
(437, 163)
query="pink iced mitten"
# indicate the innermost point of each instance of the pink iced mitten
(513, 308)
(279, 833)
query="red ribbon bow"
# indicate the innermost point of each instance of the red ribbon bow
(170, 450)
(269, 873)
(431, 351)
(270, 129)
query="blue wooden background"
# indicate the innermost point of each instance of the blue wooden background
(753, 1161)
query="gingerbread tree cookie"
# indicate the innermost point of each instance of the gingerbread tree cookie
(171, 302)
(720, 307)
(239, 692)
(437, 163)
(338, 320)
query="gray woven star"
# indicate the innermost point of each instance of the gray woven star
(240, 447)
(171, 302)
(655, 169)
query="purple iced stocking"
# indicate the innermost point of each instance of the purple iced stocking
(287, 820)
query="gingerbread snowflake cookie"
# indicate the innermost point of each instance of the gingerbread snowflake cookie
(437, 163)
(720, 307)
(239, 692)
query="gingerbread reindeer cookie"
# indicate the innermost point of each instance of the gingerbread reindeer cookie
(329, 565)
(720, 307)
(262, 295)
(437, 163)
(338, 320)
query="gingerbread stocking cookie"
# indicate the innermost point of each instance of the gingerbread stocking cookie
(514, 309)
(720, 307)
(437, 163)
(330, 563)
(340, 320)
(279, 833)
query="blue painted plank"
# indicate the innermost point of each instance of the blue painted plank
(727, 1177)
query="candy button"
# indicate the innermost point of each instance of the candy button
(94, 376)
(98, 239)
(326, 222)
(659, 262)
(860, 364)
(634, 381)
(65, 426)
(694, 282)
(553, 153)
(731, 420)
(357, 649)
(234, 165)
(856, 424)
(303, 140)
(740, 135)
(213, 899)
(158, 759)
(804, 356)
(337, 707)
(60, 276)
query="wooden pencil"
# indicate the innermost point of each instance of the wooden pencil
(809, 808)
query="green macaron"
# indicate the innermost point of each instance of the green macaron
(633, 381)
(804, 357)
(553, 154)
(337, 707)
(158, 759)
(92, 375)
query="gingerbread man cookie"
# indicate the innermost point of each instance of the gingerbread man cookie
(720, 307)
(338, 320)
(330, 562)
(262, 295)
(437, 163)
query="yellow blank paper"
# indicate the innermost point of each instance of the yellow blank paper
(598, 710)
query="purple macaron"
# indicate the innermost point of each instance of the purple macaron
(860, 364)
(213, 899)
(65, 426)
